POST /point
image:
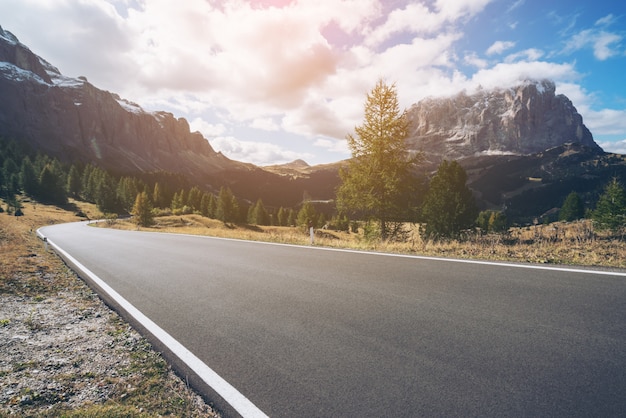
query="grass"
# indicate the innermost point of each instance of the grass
(573, 243)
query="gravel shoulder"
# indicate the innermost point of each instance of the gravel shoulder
(63, 352)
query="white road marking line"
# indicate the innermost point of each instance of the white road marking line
(231, 395)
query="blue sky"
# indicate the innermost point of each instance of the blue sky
(271, 81)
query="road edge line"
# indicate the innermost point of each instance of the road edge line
(232, 396)
(513, 264)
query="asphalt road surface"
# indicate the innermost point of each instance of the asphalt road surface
(309, 332)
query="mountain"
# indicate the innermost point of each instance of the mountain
(71, 119)
(74, 121)
(522, 120)
(524, 148)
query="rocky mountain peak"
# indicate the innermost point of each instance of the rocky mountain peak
(13, 52)
(521, 120)
(73, 120)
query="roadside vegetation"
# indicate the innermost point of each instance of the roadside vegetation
(569, 243)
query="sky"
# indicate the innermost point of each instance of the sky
(272, 81)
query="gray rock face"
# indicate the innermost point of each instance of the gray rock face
(523, 120)
(73, 120)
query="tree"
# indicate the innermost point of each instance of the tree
(375, 185)
(307, 215)
(491, 221)
(127, 190)
(291, 218)
(106, 192)
(142, 210)
(205, 204)
(28, 177)
(51, 189)
(258, 215)
(449, 206)
(157, 196)
(74, 182)
(227, 207)
(282, 217)
(497, 222)
(610, 212)
(572, 208)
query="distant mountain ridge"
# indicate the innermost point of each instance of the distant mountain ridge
(73, 120)
(522, 120)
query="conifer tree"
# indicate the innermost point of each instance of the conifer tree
(74, 182)
(28, 177)
(307, 215)
(142, 210)
(449, 206)
(50, 188)
(291, 219)
(376, 183)
(572, 208)
(610, 212)
(158, 199)
(227, 207)
(282, 217)
(258, 215)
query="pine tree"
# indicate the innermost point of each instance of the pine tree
(291, 219)
(142, 210)
(194, 199)
(28, 177)
(449, 206)
(610, 212)
(106, 193)
(74, 185)
(258, 215)
(497, 222)
(376, 183)
(307, 215)
(50, 188)
(158, 200)
(227, 207)
(282, 217)
(572, 208)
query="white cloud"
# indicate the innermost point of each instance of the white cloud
(617, 147)
(265, 124)
(418, 19)
(531, 54)
(474, 60)
(607, 20)
(208, 130)
(604, 44)
(259, 153)
(606, 121)
(510, 74)
(499, 47)
(333, 145)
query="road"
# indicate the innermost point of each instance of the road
(308, 332)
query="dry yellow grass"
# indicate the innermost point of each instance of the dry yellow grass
(559, 243)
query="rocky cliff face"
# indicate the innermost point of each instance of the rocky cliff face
(523, 120)
(75, 121)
